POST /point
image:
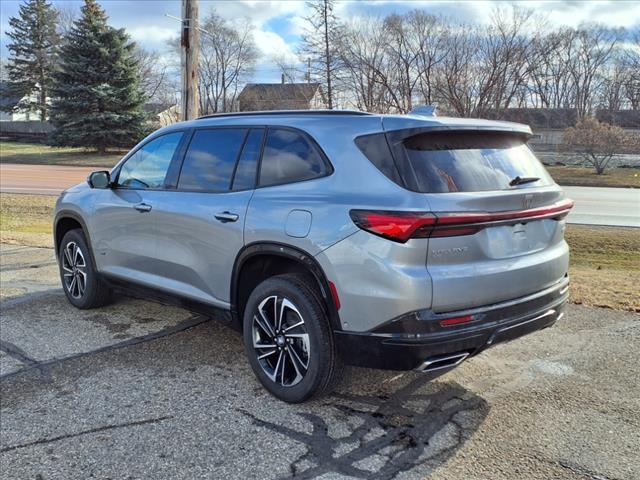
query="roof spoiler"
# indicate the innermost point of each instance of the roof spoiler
(424, 110)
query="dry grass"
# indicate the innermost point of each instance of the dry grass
(38, 154)
(26, 219)
(586, 177)
(605, 266)
(605, 261)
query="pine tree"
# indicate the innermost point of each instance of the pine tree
(33, 49)
(97, 96)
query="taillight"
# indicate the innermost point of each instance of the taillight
(397, 226)
(401, 226)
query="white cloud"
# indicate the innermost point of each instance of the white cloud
(273, 45)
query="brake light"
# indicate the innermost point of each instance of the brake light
(397, 226)
(401, 226)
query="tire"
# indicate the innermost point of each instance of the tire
(80, 281)
(285, 351)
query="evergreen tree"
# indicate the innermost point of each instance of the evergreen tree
(97, 96)
(33, 48)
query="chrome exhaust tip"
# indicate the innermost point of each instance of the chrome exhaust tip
(440, 362)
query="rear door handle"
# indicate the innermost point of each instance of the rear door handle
(142, 207)
(225, 217)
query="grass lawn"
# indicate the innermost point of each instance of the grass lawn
(605, 261)
(38, 154)
(586, 177)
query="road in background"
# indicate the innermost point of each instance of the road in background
(41, 179)
(594, 205)
(605, 206)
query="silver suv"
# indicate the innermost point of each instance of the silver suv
(328, 237)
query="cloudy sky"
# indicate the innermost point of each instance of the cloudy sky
(278, 24)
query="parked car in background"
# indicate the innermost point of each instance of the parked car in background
(329, 237)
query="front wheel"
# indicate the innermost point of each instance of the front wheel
(80, 280)
(288, 339)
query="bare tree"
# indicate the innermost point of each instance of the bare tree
(631, 64)
(67, 14)
(592, 48)
(598, 142)
(320, 43)
(289, 70)
(153, 74)
(363, 53)
(227, 57)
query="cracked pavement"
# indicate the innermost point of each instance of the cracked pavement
(141, 390)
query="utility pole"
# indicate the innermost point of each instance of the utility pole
(190, 44)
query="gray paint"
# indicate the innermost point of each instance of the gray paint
(180, 247)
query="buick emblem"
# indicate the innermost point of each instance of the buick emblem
(527, 201)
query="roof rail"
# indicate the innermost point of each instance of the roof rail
(284, 112)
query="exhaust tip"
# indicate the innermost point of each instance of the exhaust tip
(440, 362)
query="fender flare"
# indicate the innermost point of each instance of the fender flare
(62, 214)
(292, 253)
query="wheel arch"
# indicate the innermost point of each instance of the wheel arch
(275, 258)
(66, 220)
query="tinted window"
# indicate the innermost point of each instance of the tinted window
(471, 162)
(289, 157)
(376, 149)
(147, 168)
(210, 159)
(245, 176)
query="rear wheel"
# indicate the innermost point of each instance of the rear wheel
(288, 339)
(80, 280)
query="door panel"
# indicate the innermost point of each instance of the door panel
(196, 251)
(201, 223)
(124, 238)
(123, 224)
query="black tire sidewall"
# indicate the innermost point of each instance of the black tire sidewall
(321, 357)
(88, 300)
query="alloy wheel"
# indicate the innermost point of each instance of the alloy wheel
(281, 341)
(74, 270)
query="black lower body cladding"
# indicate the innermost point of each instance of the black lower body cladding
(419, 338)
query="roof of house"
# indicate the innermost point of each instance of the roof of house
(156, 107)
(283, 96)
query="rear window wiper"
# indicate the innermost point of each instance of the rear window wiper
(520, 180)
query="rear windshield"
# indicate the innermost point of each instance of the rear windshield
(469, 162)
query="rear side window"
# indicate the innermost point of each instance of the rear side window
(288, 157)
(210, 159)
(245, 176)
(470, 162)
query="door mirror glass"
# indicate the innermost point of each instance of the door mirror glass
(99, 179)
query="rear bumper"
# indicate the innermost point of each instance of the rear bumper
(417, 340)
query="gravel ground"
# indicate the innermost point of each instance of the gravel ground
(139, 390)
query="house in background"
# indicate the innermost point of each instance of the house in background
(20, 123)
(281, 96)
(162, 114)
(8, 103)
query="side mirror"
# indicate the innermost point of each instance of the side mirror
(99, 179)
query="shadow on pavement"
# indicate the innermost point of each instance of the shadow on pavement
(420, 423)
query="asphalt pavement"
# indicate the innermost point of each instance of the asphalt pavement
(143, 391)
